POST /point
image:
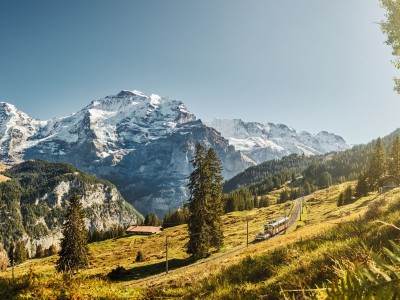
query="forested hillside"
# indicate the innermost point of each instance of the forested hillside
(316, 171)
(266, 170)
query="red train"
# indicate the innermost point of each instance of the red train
(273, 228)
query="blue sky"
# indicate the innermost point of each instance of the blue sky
(314, 65)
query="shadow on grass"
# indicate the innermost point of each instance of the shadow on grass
(141, 272)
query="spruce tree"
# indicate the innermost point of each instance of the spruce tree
(74, 254)
(340, 199)
(214, 186)
(199, 239)
(377, 165)
(348, 196)
(11, 254)
(205, 203)
(20, 254)
(151, 220)
(362, 185)
(394, 159)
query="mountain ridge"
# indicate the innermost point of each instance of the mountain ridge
(263, 142)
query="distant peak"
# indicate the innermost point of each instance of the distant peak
(6, 104)
(7, 107)
(285, 127)
(128, 93)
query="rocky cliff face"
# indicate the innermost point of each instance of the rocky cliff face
(263, 142)
(37, 196)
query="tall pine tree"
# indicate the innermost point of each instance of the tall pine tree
(377, 165)
(74, 254)
(205, 203)
(394, 159)
(216, 205)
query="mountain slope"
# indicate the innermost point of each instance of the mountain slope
(263, 142)
(33, 202)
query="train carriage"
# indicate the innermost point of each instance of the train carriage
(272, 228)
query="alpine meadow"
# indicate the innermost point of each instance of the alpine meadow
(113, 193)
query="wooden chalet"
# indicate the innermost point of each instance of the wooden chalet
(387, 183)
(143, 230)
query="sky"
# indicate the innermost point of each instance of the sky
(312, 64)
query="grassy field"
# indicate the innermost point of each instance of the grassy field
(213, 278)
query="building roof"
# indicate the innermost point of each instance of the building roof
(388, 179)
(142, 229)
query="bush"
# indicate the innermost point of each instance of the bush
(117, 273)
(139, 257)
(374, 210)
(395, 205)
(39, 251)
(52, 250)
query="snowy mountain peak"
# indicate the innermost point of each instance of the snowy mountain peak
(133, 93)
(262, 142)
(8, 109)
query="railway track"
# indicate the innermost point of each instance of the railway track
(294, 216)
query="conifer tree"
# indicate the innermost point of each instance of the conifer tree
(74, 254)
(205, 203)
(214, 186)
(20, 254)
(151, 220)
(283, 196)
(377, 165)
(348, 196)
(362, 185)
(394, 159)
(11, 254)
(325, 180)
(199, 240)
(340, 199)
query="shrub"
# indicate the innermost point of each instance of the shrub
(139, 256)
(39, 251)
(394, 206)
(52, 250)
(374, 210)
(117, 273)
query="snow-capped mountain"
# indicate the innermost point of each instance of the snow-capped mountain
(142, 144)
(15, 129)
(262, 142)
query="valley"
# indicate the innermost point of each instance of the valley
(260, 159)
(320, 218)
